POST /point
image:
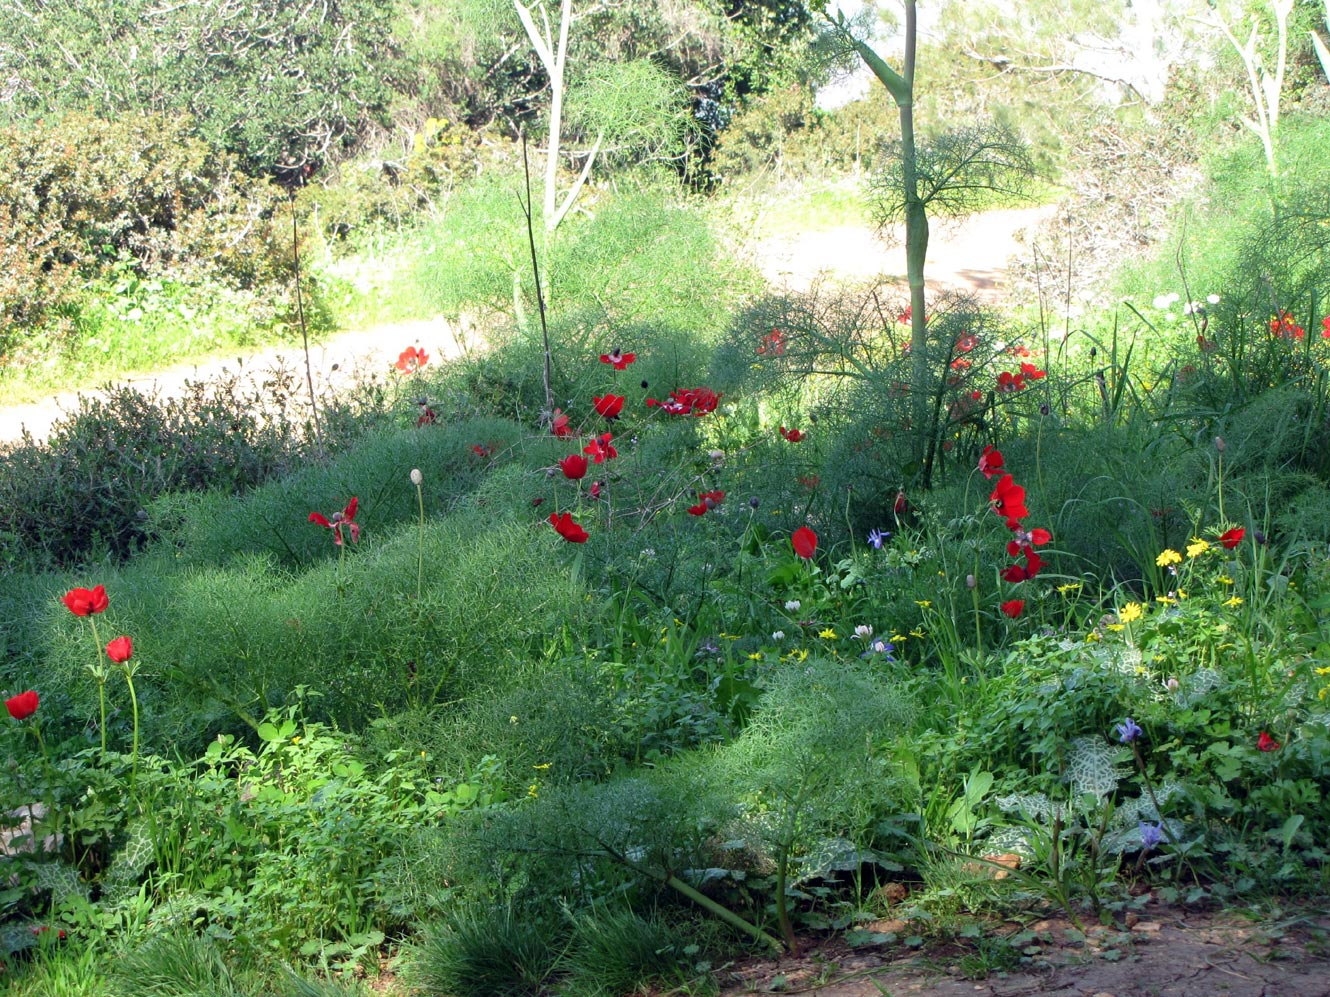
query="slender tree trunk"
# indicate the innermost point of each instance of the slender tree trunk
(916, 249)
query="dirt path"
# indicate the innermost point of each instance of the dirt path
(336, 362)
(973, 254)
(1166, 952)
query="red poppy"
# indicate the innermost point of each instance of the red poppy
(1019, 350)
(85, 602)
(705, 501)
(1282, 326)
(609, 406)
(600, 448)
(120, 650)
(411, 360)
(1026, 539)
(1231, 538)
(1325, 327)
(809, 481)
(960, 364)
(687, 401)
(804, 541)
(559, 424)
(966, 342)
(427, 416)
(573, 466)
(595, 489)
(990, 462)
(566, 528)
(1031, 372)
(793, 435)
(1008, 500)
(347, 518)
(1016, 573)
(1008, 382)
(1263, 743)
(1013, 607)
(479, 450)
(618, 358)
(23, 705)
(773, 343)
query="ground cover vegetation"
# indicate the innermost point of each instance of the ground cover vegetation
(692, 616)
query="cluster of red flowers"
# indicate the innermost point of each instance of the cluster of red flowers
(1007, 381)
(772, 344)
(1008, 501)
(687, 401)
(706, 501)
(1283, 326)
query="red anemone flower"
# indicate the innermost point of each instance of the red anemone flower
(1283, 326)
(687, 401)
(990, 462)
(1231, 538)
(706, 501)
(428, 417)
(566, 528)
(1008, 500)
(23, 705)
(86, 602)
(609, 406)
(793, 435)
(1008, 382)
(1032, 372)
(804, 541)
(345, 518)
(120, 650)
(618, 358)
(559, 424)
(411, 360)
(1013, 607)
(1016, 573)
(600, 448)
(1325, 327)
(773, 343)
(573, 466)
(1024, 540)
(1267, 743)
(966, 342)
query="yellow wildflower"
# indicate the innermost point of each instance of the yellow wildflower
(1234, 602)
(922, 603)
(917, 633)
(1116, 627)
(1166, 600)
(1224, 580)
(1131, 612)
(543, 766)
(1167, 557)
(1069, 587)
(1092, 637)
(755, 656)
(1197, 547)
(827, 634)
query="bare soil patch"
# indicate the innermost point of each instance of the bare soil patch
(1162, 952)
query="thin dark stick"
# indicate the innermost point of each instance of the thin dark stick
(304, 330)
(535, 269)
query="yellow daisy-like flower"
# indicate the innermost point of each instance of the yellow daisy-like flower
(1168, 556)
(899, 638)
(1234, 602)
(827, 634)
(1131, 612)
(917, 633)
(755, 656)
(922, 603)
(1115, 627)
(1069, 587)
(1092, 637)
(1166, 600)
(1197, 547)
(1224, 580)
(1323, 671)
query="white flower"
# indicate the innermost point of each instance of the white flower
(416, 476)
(793, 606)
(778, 635)
(1162, 301)
(1212, 298)
(863, 631)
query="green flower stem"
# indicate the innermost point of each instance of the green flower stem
(420, 543)
(99, 673)
(134, 705)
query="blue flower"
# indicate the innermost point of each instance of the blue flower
(1151, 835)
(1128, 731)
(876, 538)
